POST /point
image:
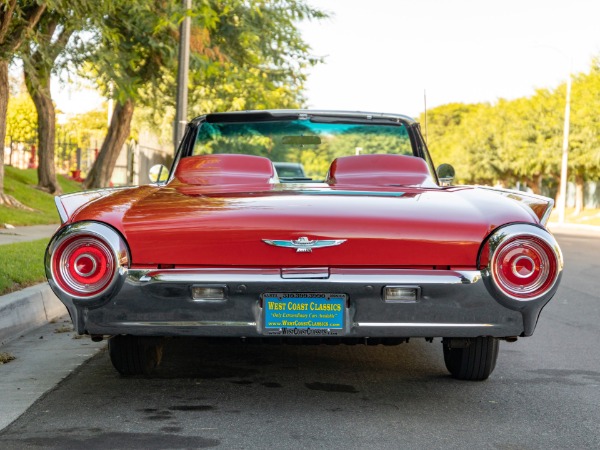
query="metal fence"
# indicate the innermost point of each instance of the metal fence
(21, 155)
(67, 156)
(135, 162)
(132, 166)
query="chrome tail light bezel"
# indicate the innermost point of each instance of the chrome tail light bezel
(104, 241)
(542, 257)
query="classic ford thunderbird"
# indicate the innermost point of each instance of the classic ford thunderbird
(377, 249)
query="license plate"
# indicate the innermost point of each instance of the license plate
(304, 314)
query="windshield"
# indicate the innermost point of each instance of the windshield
(312, 146)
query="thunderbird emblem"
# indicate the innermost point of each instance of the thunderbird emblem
(303, 244)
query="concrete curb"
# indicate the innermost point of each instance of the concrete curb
(28, 309)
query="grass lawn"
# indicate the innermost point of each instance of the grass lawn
(21, 185)
(21, 265)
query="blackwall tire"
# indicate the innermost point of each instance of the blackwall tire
(135, 355)
(473, 362)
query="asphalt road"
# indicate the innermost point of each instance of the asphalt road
(544, 393)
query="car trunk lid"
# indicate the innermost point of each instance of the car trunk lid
(187, 226)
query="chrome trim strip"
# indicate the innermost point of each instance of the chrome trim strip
(193, 323)
(422, 325)
(299, 273)
(304, 114)
(353, 276)
(62, 212)
(351, 193)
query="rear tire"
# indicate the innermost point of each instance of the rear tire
(135, 355)
(474, 360)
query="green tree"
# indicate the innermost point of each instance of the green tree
(21, 119)
(87, 129)
(521, 139)
(17, 19)
(247, 54)
(533, 134)
(469, 138)
(444, 131)
(584, 139)
(56, 45)
(137, 48)
(39, 59)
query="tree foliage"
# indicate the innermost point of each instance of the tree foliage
(243, 55)
(21, 119)
(56, 43)
(85, 130)
(17, 19)
(521, 140)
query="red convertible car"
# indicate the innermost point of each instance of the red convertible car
(378, 250)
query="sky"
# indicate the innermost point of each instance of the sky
(385, 55)
(388, 55)
(75, 98)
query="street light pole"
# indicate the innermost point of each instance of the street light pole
(182, 76)
(562, 198)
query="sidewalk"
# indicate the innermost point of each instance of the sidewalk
(23, 234)
(43, 357)
(34, 328)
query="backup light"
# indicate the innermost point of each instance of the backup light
(209, 293)
(401, 294)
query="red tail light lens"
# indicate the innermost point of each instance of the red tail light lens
(525, 267)
(84, 265)
(87, 263)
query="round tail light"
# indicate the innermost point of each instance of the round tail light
(87, 261)
(525, 266)
(83, 265)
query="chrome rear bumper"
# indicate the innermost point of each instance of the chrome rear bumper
(160, 303)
